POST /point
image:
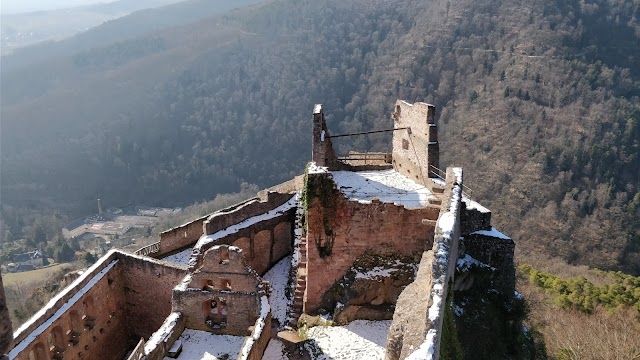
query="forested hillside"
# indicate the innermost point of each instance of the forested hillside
(537, 100)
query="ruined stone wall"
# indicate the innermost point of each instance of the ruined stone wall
(409, 328)
(224, 279)
(495, 252)
(264, 248)
(103, 313)
(161, 341)
(86, 321)
(254, 347)
(238, 213)
(416, 329)
(322, 152)
(358, 228)
(472, 219)
(180, 237)
(415, 149)
(148, 286)
(242, 310)
(6, 333)
(187, 234)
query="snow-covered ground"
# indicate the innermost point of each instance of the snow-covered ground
(388, 186)
(379, 272)
(277, 278)
(181, 258)
(360, 340)
(274, 351)
(201, 345)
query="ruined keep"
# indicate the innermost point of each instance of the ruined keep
(349, 216)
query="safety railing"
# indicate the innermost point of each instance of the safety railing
(149, 249)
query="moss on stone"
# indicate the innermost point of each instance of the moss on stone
(450, 347)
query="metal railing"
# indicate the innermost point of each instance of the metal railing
(366, 157)
(467, 191)
(149, 249)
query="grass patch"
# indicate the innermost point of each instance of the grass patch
(26, 278)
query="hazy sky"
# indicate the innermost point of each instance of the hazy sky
(15, 6)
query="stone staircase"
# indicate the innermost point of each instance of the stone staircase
(300, 293)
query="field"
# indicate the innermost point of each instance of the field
(34, 277)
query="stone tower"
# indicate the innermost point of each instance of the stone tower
(6, 333)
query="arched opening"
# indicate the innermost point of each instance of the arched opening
(88, 318)
(75, 328)
(57, 344)
(215, 312)
(38, 352)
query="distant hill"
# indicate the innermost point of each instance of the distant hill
(23, 29)
(118, 28)
(537, 100)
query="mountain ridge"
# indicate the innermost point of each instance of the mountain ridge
(538, 107)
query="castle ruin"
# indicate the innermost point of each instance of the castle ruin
(346, 217)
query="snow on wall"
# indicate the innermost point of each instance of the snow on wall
(208, 239)
(493, 233)
(247, 347)
(447, 234)
(26, 341)
(163, 334)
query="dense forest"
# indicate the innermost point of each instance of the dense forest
(537, 100)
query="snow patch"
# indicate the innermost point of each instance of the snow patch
(198, 344)
(315, 169)
(380, 271)
(493, 233)
(467, 262)
(474, 205)
(181, 258)
(388, 186)
(275, 351)
(360, 340)
(278, 278)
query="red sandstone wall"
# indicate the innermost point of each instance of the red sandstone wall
(243, 211)
(187, 234)
(107, 338)
(380, 228)
(148, 287)
(181, 236)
